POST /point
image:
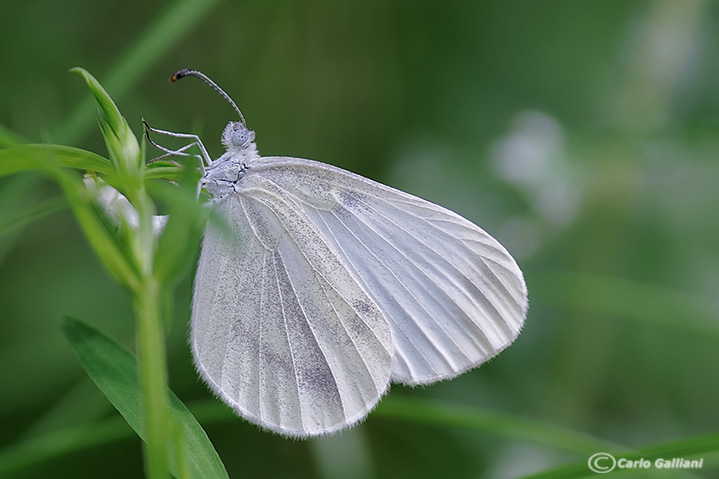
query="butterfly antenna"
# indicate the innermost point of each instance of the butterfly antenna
(189, 72)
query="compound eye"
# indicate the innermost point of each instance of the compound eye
(241, 135)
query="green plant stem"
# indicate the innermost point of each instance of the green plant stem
(151, 337)
(153, 379)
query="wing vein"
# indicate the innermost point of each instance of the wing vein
(309, 323)
(403, 285)
(461, 273)
(287, 335)
(259, 336)
(466, 314)
(272, 206)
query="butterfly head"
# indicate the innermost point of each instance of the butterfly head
(237, 138)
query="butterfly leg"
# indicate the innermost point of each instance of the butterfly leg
(178, 152)
(205, 159)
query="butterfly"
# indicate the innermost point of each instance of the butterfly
(324, 287)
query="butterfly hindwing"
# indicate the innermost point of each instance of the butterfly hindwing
(452, 294)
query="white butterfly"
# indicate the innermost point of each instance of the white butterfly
(330, 286)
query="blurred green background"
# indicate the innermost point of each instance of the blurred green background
(583, 135)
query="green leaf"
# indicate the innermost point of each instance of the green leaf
(121, 143)
(48, 157)
(114, 369)
(108, 107)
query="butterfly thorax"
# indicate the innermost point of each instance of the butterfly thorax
(222, 175)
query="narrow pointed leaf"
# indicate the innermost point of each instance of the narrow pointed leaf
(47, 157)
(108, 107)
(114, 370)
